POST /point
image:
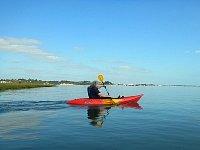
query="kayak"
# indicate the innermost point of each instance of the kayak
(105, 101)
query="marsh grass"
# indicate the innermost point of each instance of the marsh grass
(26, 85)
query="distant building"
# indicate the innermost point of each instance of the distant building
(4, 81)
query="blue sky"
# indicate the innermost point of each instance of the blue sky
(136, 41)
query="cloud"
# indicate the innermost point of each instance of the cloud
(109, 61)
(119, 66)
(51, 58)
(19, 41)
(197, 51)
(27, 46)
(192, 52)
(130, 69)
(124, 67)
(78, 66)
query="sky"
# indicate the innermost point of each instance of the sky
(128, 41)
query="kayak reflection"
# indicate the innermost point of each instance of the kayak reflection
(131, 105)
(98, 114)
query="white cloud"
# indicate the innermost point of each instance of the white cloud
(119, 66)
(53, 58)
(109, 61)
(197, 52)
(19, 41)
(124, 67)
(192, 52)
(76, 66)
(26, 46)
(130, 69)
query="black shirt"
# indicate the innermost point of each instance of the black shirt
(93, 92)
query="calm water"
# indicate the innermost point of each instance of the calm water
(166, 118)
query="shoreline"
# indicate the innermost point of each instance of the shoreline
(18, 86)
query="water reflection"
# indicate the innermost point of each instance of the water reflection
(19, 125)
(98, 114)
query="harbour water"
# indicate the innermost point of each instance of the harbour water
(164, 118)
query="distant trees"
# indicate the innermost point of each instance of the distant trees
(22, 80)
(108, 83)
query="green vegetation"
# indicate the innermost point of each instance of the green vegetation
(79, 82)
(22, 84)
(7, 86)
(12, 84)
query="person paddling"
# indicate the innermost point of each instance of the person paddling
(93, 90)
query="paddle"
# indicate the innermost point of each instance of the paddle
(101, 78)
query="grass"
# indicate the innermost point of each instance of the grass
(26, 85)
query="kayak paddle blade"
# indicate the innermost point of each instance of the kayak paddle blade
(101, 78)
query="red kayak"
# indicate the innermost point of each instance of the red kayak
(105, 101)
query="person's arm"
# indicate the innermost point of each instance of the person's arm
(102, 95)
(99, 93)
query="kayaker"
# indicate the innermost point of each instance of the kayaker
(93, 90)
